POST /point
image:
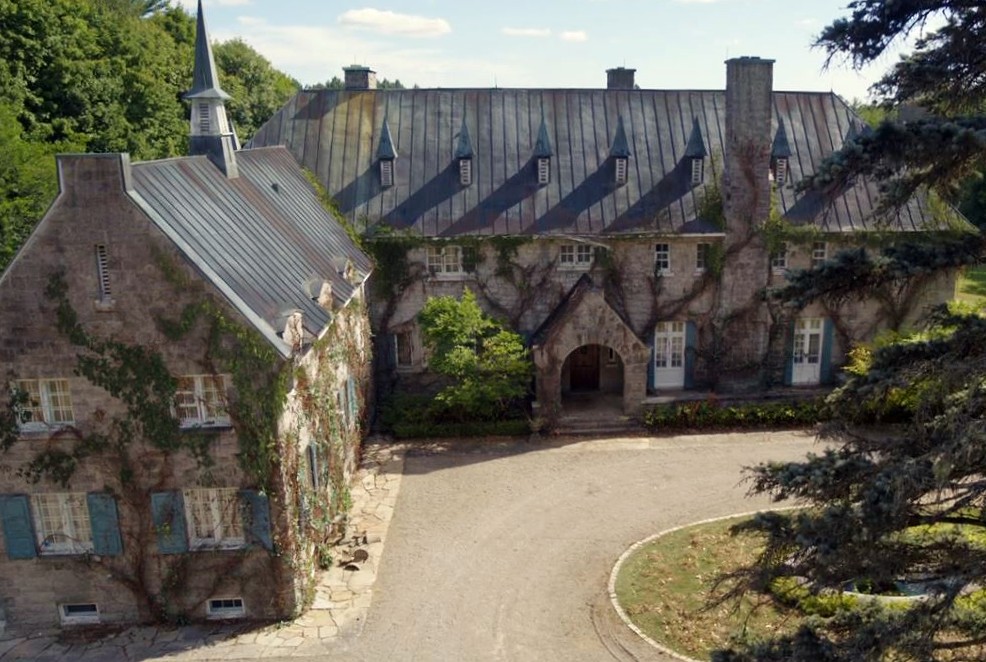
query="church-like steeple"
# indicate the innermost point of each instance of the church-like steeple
(211, 134)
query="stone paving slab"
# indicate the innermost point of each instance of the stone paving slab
(342, 598)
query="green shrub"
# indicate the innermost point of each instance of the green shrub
(709, 414)
(510, 428)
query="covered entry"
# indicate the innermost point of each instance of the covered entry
(585, 347)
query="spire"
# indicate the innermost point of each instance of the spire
(211, 132)
(542, 148)
(385, 150)
(695, 149)
(205, 82)
(463, 148)
(620, 147)
(781, 149)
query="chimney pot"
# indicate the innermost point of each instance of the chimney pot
(620, 78)
(359, 77)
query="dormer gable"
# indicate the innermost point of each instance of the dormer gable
(619, 151)
(780, 155)
(543, 153)
(463, 155)
(386, 155)
(695, 153)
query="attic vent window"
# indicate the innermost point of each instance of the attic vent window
(698, 171)
(386, 173)
(78, 614)
(544, 170)
(465, 172)
(780, 170)
(102, 270)
(203, 117)
(621, 171)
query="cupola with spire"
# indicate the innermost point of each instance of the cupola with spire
(696, 152)
(619, 151)
(543, 153)
(211, 134)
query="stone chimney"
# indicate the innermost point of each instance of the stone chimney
(359, 77)
(749, 107)
(620, 78)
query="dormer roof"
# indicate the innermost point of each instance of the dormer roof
(205, 81)
(620, 147)
(781, 149)
(542, 147)
(695, 148)
(463, 146)
(386, 150)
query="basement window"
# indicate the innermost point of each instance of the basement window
(78, 614)
(219, 608)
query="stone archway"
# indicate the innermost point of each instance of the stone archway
(584, 318)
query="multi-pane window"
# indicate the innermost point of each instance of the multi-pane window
(48, 403)
(702, 256)
(780, 170)
(201, 400)
(465, 172)
(204, 126)
(544, 170)
(445, 260)
(698, 170)
(402, 349)
(575, 256)
(662, 258)
(61, 522)
(669, 345)
(214, 517)
(819, 253)
(778, 259)
(621, 170)
(102, 271)
(386, 173)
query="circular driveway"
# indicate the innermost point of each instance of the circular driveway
(503, 553)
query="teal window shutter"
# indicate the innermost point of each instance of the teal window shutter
(105, 521)
(789, 356)
(825, 362)
(691, 345)
(18, 534)
(650, 364)
(257, 522)
(168, 515)
(353, 402)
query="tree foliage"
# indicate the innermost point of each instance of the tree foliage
(889, 500)
(488, 366)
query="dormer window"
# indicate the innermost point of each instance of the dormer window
(698, 171)
(465, 172)
(386, 173)
(780, 153)
(204, 125)
(543, 152)
(621, 171)
(544, 170)
(103, 273)
(780, 170)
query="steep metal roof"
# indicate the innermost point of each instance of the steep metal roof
(262, 238)
(334, 133)
(205, 82)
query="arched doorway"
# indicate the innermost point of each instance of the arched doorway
(592, 369)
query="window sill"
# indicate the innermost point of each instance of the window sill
(663, 272)
(37, 430)
(192, 427)
(451, 276)
(574, 267)
(230, 546)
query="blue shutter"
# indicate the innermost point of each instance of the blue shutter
(826, 358)
(105, 521)
(353, 402)
(18, 534)
(313, 465)
(789, 355)
(168, 515)
(691, 342)
(650, 364)
(258, 518)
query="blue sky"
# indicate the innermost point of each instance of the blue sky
(673, 44)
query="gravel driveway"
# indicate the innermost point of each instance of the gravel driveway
(503, 553)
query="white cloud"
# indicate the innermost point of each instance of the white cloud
(392, 23)
(574, 35)
(526, 32)
(250, 20)
(806, 22)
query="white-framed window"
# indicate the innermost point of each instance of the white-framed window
(200, 400)
(386, 173)
(48, 405)
(819, 253)
(403, 354)
(778, 259)
(214, 517)
(446, 260)
(544, 170)
(103, 272)
(698, 170)
(621, 170)
(702, 256)
(79, 613)
(225, 608)
(465, 172)
(575, 256)
(61, 522)
(780, 170)
(662, 259)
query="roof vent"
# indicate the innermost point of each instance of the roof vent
(620, 78)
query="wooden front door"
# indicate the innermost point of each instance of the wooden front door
(584, 367)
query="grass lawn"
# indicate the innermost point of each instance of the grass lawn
(664, 586)
(971, 286)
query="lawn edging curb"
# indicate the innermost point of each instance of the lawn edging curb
(611, 586)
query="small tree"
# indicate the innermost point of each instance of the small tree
(488, 365)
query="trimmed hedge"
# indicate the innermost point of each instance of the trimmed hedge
(708, 414)
(412, 416)
(510, 428)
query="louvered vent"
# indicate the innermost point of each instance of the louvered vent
(103, 271)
